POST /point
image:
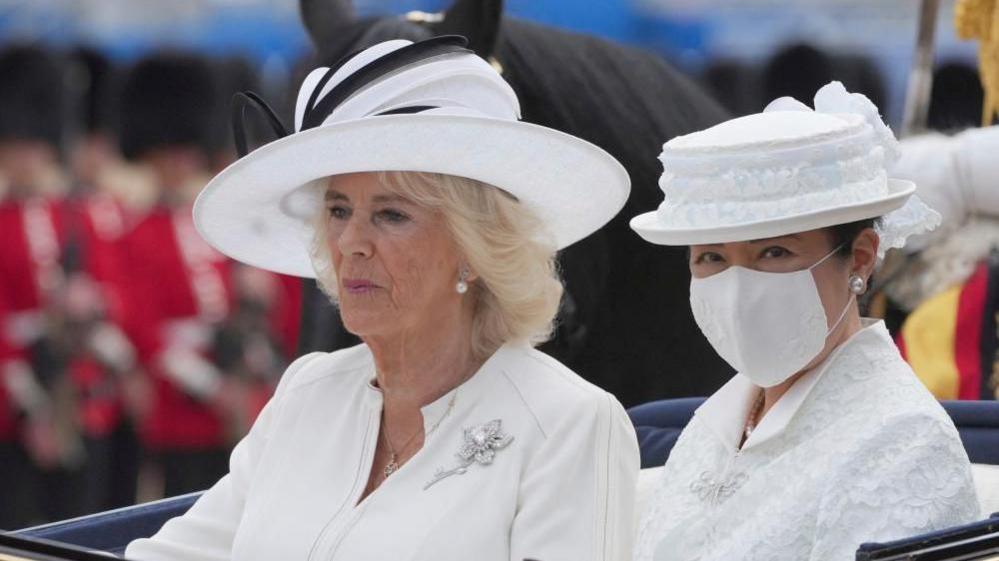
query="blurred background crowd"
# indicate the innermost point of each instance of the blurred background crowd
(133, 356)
(125, 337)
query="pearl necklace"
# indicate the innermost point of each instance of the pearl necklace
(753, 414)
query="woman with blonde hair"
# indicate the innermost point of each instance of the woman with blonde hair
(431, 216)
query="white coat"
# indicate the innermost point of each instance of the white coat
(856, 451)
(561, 490)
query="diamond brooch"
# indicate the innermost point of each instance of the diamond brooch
(479, 447)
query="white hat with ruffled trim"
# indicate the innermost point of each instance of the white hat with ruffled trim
(432, 106)
(786, 170)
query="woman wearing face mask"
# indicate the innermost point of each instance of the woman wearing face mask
(824, 439)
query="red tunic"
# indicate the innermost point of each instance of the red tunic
(100, 222)
(30, 248)
(179, 290)
(35, 235)
(97, 224)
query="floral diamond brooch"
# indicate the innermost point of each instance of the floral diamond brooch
(479, 447)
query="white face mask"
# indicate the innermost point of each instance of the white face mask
(768, 326)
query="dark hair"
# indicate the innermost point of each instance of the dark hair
(843, 235)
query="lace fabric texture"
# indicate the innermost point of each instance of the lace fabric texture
(719, 187)
(869, 456)
(914, 218)
(800, 190)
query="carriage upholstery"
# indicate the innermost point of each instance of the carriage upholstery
(658, 424)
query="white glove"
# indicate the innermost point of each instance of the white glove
(112, 347)
(24, 387)
(194, 374)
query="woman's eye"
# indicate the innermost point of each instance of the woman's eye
(391, 216)
(775, 252)
(339, 212)
(708, 257)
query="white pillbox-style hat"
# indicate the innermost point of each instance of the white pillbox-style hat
(786, 170)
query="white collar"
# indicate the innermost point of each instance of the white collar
(470, 389)
(726, 410)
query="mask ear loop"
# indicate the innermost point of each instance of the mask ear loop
(828, 255)
(853, 297)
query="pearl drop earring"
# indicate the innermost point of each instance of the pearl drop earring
(857, 284)
(462, 286)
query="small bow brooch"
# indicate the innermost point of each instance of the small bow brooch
(715, 491)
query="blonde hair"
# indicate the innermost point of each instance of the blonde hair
(517, 292)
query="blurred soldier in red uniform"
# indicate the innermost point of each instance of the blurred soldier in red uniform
(31, 121)
(179, 286)
(183, 294)
(36, 428)
(60, 276)
(103, 364)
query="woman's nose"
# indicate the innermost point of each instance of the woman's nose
(355, 238)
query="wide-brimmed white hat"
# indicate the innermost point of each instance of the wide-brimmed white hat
(431, 106)
(786, 170)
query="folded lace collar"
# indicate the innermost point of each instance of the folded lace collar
(726, 410)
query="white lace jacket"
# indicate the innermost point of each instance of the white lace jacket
(561, 490)
(857, 450)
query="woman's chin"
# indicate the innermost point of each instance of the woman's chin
(364, 323)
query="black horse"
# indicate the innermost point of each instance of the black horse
(625, 322)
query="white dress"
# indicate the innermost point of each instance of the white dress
(561, 490)
(856, 451)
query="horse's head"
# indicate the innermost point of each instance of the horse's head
(336, 29)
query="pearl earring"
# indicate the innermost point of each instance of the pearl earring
(462, 286)
(857, 284)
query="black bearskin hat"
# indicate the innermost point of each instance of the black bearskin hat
(797, 71)
(956, 98)
(236, 74)
(168, 99)
(32, 95)
(92, 82)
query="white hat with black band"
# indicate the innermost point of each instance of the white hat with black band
(432, 106)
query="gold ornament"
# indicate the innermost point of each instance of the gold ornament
(979, 19)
